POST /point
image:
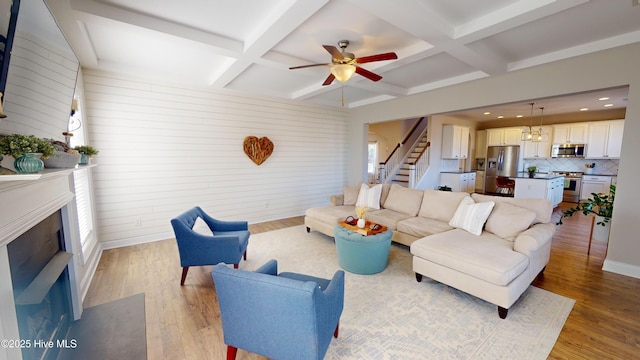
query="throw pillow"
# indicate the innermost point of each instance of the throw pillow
(471, 216)
(440, 205)
(350, 195)
(508, 221)
(404, 200)
(369, 196)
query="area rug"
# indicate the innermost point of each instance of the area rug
(111, 331)
(391, 316)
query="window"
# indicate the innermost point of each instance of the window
(373, 157)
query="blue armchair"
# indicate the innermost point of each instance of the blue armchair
(280, 316)
(227, 243)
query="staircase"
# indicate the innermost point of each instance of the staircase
(402, 177)
(409, 161)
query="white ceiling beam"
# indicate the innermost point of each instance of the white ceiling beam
(224, 46)
(276, 27)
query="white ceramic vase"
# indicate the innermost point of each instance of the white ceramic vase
(601, 233)
(361, 223)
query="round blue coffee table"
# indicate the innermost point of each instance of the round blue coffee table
(361, 254)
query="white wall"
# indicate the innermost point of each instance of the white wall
(610, 68)
(164, 149)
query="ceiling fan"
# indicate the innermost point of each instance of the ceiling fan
(344, 64)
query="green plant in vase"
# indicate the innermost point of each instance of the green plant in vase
(23, 149)
(600, 205)
(532, 171)
(87, 152)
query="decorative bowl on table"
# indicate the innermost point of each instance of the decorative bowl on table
(61, 159)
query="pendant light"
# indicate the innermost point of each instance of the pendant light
(537, 134)
(529, 135)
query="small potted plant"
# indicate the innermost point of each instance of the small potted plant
(599, 205)
(22, 153)
(86, 152)
(532, 171)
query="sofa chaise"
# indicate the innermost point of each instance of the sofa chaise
(491, 247)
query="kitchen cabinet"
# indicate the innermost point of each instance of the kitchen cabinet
(459, 181)
(594, 184)
(479, 181)
(550, 189)
(575, 133)
(455, 142)
(605, 139)
(504, 136)
(481, 144)
(538, 149)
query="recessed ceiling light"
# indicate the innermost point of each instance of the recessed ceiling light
(487, 113)
(519, 116)
(604, 98)
(608, 105)
(500, 117)
(584, 109)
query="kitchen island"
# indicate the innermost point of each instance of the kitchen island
(541, 186)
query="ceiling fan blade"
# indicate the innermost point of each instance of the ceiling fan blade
(333, 51)
(306, 66)
(378, 57)
(328, 80)
(368, 74)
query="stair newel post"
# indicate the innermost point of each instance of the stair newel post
(412, 176)
(381, 173)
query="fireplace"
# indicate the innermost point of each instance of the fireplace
(37, 305)
(41, 288)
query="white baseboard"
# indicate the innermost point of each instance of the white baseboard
(136, 240)
(621, 268)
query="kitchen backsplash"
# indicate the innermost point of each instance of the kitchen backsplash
(603, 167)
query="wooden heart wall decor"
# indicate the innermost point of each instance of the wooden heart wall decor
(258, 149)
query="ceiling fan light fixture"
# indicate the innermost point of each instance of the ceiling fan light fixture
(343, 72)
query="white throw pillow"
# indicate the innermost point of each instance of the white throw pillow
(369, 196)
(471, 216)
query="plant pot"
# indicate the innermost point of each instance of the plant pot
(601, 233)
(532, 174)
(84, 159)
(28, 164)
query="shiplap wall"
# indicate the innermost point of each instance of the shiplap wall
(40, 85)
(164, 149)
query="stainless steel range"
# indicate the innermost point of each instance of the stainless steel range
(572, 184)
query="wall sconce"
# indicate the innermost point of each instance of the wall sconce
(343, 72)
(74, 106)
(2, 114)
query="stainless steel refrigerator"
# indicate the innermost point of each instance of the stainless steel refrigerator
(501, 161)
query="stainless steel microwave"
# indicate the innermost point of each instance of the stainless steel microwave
(567, 150)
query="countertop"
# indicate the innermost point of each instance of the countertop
(457, 172)
(540, 176)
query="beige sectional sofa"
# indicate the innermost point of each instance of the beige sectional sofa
(491, 247)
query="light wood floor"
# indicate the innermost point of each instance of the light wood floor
(183, 321)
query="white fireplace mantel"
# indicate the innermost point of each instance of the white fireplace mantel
(25, 201)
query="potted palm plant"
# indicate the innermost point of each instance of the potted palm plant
(599, 205)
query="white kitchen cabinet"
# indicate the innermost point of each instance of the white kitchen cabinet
(550, 189)
(455, 142)
(459, 181)
(575, 133)
(538, 149)
(594, 184)
(481, 144)
(605, 139)
(479, 181)
(504, 136)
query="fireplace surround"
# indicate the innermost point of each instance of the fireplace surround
(23, 205)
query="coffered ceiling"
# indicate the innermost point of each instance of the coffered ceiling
(248, 46)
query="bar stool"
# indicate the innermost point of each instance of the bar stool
(504, 185)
